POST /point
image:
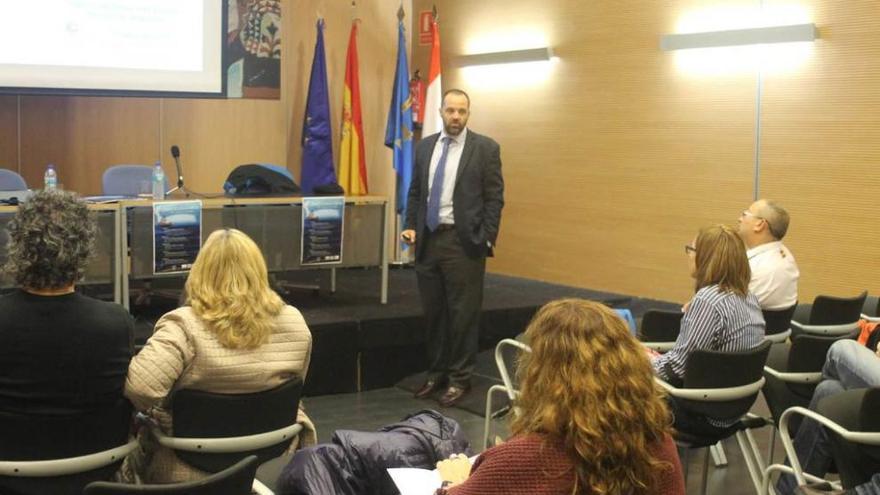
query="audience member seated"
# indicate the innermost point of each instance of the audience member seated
(722, 316)
(774, 270)
(849, 366)
(235, 336)
(61, 353)
(590, 417)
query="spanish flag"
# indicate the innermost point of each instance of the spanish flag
(352, 159)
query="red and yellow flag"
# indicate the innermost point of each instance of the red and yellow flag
(352, 159)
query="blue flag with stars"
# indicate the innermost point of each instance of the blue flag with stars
(317, 141)
(398, 132)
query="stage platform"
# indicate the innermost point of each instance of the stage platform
(360, 344)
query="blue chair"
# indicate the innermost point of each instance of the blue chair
(128, 180)
(11, 181)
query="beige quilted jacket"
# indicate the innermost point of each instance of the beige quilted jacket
(182, 354)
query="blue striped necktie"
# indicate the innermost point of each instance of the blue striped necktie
(433, 219)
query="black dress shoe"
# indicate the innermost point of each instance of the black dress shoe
(453, 395)
(428, 389)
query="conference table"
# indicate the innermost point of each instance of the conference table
(124, 248)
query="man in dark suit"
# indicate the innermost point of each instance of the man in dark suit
(452, 216)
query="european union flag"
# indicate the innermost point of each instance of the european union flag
(317, 143)
(398, 132)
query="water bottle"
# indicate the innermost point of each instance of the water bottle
(158, 182)
(50, 178)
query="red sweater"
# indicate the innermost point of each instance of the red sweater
(533, 465)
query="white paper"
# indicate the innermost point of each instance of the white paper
(415, 481)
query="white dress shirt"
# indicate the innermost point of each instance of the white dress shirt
(453, 157)
(774, 275)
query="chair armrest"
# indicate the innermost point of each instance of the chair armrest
(778, 338)
(788, 445)
(712, 394)
(659, 346)
(872, 319)
(70, 465)
(812, 377)
(228, 445)
(842, 329)
(499, 359)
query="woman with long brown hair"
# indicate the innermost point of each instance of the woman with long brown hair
(722, 316)
(590, 418)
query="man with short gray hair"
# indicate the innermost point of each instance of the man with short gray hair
(774, 270)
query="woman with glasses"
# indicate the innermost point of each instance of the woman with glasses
(722, 316)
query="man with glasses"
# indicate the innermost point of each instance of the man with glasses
(774, 270)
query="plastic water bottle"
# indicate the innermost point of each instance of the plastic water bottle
(50, 178)
(158, 182)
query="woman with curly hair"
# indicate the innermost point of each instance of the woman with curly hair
(234, 336)
(590, 418)
(60, 352)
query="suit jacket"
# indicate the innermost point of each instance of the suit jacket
(476, 201)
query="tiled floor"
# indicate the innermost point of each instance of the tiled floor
(373, 409)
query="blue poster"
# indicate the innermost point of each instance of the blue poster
(322, 230)
(177, 235)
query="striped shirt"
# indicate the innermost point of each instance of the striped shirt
(717, 321)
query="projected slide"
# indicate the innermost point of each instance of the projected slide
(134, 45)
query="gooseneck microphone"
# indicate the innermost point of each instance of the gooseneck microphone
(175, 152)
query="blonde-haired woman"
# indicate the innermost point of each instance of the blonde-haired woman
(235, 335)
(591, 418)
(722, 316)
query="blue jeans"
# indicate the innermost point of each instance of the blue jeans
(870, 488)
(849, 366)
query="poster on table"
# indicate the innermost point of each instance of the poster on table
(177, 235)
(322, 230)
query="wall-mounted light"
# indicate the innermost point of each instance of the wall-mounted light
(544, 54)
(737, 37)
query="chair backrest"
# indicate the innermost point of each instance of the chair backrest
(778, 320)
(660, 326)
(199, 414)
(869, 420)
(830, 310)
(128, 180)
(718, 369)
(871, 306)
(11, 181)
(234, 480)
(807, 355)
(48, 437)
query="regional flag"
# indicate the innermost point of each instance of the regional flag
(433, 97)
(317, 155)
(352, 159)
(398, 132)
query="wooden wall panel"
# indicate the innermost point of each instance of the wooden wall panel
(821, 150)
(614, 162)
(9, 132)
(83, 136)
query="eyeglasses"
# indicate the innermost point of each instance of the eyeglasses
(747, 213)
(688, 249)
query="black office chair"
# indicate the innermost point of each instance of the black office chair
(792, 372)
(234, 480)
(60, 454)
(778, 323)
(659, 329)
(724, 386)
(854, 425)
(871, 309)
(829, 315)
(215, 431)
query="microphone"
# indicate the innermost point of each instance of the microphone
(175, 152)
